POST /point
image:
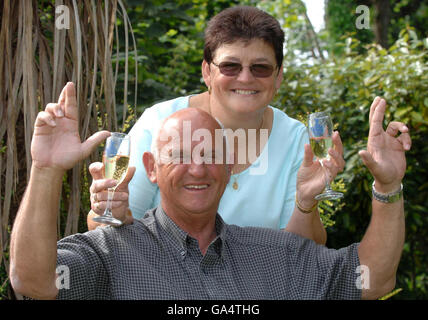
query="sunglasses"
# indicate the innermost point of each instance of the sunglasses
(232, 69)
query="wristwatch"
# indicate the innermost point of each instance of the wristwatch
(388, 197)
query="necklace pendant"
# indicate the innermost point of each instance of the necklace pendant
(235, 185)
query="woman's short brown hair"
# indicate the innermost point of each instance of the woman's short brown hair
(243, 23)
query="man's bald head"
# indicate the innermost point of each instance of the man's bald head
(188, 163)
(182, 129)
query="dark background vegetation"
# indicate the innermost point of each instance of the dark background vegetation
(340, 69)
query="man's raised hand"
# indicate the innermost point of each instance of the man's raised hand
(385, 154)
(56, 141)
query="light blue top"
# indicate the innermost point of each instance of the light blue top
(265, 197)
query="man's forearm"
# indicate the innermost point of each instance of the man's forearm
(34, 236)
(381, 247)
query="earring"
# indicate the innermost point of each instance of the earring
(209, 89)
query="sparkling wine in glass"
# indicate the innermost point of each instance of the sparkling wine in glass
(116, 161)
(320, 129)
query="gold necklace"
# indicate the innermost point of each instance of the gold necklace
(235, 184)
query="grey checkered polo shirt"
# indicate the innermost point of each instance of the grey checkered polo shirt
(154, 259)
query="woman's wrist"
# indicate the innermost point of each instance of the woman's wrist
(305, 207)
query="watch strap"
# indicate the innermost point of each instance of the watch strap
(387, 197)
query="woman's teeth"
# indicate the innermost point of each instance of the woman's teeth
(245, 91)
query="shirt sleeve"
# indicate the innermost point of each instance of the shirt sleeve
(324, 273)
(81, 274)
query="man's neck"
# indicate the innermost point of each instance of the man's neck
(200, 226)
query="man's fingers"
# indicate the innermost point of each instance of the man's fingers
(45, 118)
(100, 207)
(96, 170)
(68, 100)
(55, 109)
(93, 141)
(394, 127)
(101, 185)
(376, 122)
(373, 108)
(117, 196)
(129, 174)
(405, 140)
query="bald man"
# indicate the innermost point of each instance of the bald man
(183, 249)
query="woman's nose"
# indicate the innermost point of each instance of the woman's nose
(245, 74)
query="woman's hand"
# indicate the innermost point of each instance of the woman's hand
(311, 178)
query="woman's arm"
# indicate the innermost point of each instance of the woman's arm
(306, 220)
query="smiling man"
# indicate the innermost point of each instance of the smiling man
(190, 186)
(183, 249)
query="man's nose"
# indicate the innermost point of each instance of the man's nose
(197, 169)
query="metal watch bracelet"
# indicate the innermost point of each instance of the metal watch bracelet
(388, 197)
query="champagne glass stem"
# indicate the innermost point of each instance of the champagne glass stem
(110, 194)
(327, 180)
(327, 186)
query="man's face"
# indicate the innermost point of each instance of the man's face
(188, 177)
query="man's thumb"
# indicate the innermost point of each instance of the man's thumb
(93, 141)
(128, 177)
(368, 160)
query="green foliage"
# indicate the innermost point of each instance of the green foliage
(340, 20)
(346, 85)
(341, 17)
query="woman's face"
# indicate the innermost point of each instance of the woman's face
(243, 92)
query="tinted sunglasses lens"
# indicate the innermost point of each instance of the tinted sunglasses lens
(261, 70)
(230, 69)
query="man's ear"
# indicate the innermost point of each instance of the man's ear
(206, 73)
(150, 166)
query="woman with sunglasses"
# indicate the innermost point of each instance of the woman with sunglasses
(242, 69)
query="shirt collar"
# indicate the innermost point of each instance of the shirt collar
(180, 236)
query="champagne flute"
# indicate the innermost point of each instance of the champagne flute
(116, 160)
(320, 129)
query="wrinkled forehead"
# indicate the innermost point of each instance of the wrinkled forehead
(184, 138)
(186, 135)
